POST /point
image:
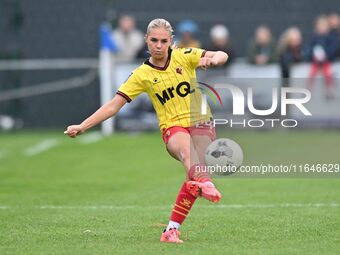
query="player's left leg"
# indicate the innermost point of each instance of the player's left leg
(201, 142)
(181, 146)
(201, 138)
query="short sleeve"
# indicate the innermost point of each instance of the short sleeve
(131, 88)
(194, 55)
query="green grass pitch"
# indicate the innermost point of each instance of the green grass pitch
(110, 196)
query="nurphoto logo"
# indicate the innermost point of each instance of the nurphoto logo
(280, 98)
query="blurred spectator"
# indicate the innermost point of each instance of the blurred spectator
(321, 51)
(128, 39)
(334, 23)
(322, 47)
(261, 49)
(187, 29)
(219, 37)
(289, 50)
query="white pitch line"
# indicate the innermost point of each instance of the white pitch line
(95, 207)
(220, 206)
(41, 147)
(294, 205)
(92, 137)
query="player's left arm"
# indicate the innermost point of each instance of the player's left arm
(212, 58)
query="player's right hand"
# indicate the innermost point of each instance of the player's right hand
(73, 131)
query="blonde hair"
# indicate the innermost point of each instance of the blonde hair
(285, 38)
(159, 23)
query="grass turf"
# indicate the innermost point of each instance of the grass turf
(110, 197)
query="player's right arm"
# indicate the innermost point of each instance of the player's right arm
(130, 89)
(106, 111)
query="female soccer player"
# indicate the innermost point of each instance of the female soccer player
(168, 77)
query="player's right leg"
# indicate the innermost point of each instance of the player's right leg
(201, 138)
(182, 147)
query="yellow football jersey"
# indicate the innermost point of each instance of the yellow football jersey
(172, 89)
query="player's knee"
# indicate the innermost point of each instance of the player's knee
(185, 154)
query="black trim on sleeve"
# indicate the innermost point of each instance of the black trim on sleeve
(128, 99)
(203, 53)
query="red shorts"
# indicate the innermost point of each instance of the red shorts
(202, 130)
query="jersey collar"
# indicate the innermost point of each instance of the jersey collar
(147, 62)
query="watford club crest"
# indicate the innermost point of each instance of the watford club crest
(155, 80)
(185, 202)
(179, 70)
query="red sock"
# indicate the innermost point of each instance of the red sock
(184, 202)
(327, 72)
(199, 173)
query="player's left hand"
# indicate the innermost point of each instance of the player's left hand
(205, 63)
